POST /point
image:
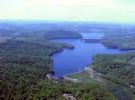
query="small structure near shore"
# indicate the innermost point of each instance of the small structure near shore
(51, 77)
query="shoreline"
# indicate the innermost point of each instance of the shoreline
(84, 69)
(77, 72)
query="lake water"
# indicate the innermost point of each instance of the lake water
(72, 60)
(92, 35)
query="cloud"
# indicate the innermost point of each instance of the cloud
(83, 10)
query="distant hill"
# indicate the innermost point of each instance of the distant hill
(58, 34)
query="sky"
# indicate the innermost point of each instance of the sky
(69, 10)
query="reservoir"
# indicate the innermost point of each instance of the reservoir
(71, 60)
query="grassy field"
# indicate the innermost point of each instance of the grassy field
(83, 76)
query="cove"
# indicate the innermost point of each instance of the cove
(71, 60)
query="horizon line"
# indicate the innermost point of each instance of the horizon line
(66, 21)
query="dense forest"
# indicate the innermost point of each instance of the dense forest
(23, 70)
(118, 69)
(25, 62)
(115, 71)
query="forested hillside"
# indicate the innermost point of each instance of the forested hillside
(23, 70)
(25, 62)
(118, 69)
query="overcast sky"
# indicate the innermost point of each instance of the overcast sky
(69, 10)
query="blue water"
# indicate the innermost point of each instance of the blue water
(72, 60)
(92, 35)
